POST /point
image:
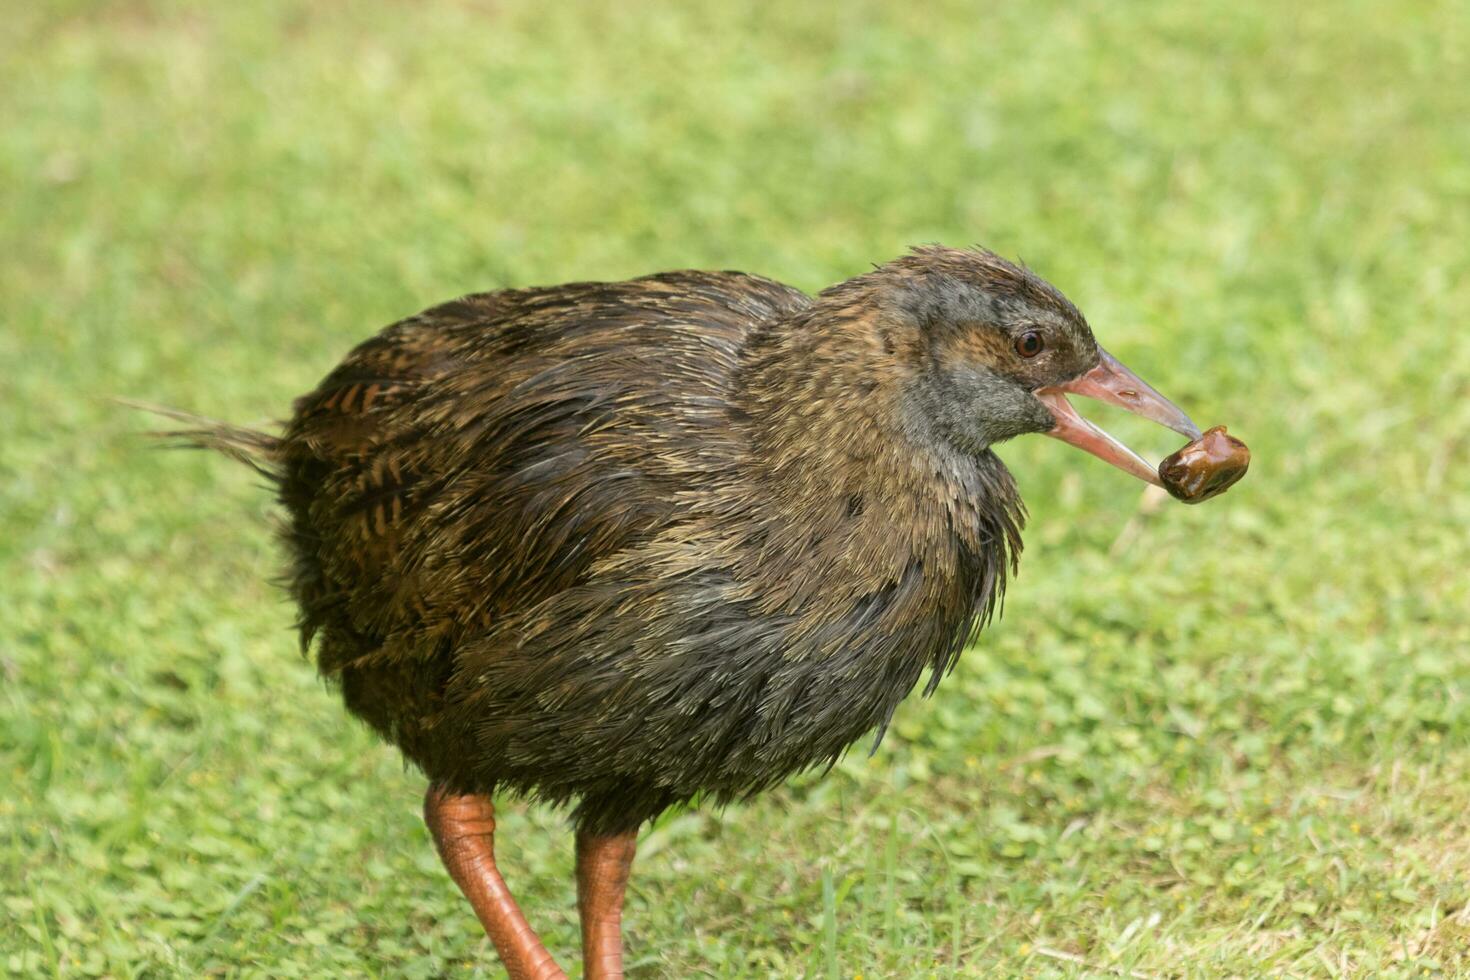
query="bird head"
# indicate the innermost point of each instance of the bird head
(995, 351)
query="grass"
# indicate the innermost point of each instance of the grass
(1225, 740)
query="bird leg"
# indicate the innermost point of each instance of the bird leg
(464, 830)
(603, 864)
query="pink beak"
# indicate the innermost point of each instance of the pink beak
(1113, 383)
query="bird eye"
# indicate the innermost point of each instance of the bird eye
(1029, 344)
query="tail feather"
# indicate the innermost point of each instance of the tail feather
(261, 451)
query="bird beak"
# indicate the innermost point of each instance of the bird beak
(1113, 383)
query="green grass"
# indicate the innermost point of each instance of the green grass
(1225, 740)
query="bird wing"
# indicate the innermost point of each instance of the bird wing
(483, 455)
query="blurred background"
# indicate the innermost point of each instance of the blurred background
(1231, 739)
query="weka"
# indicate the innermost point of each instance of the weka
(619, 545)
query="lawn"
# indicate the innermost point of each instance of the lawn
(1224, 740)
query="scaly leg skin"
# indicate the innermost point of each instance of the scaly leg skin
(464, 830)
(603, 864)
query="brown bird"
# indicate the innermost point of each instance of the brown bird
(621, 545)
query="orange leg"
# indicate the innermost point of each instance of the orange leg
(603, 864)
(464, 829)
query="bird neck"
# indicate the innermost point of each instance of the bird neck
(830, 404)
(851, 486)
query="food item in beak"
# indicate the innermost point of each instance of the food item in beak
(1205, 468)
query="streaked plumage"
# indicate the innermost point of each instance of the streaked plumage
(630, 542)
(619, 545)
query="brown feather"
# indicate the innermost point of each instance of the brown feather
(629, 543)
